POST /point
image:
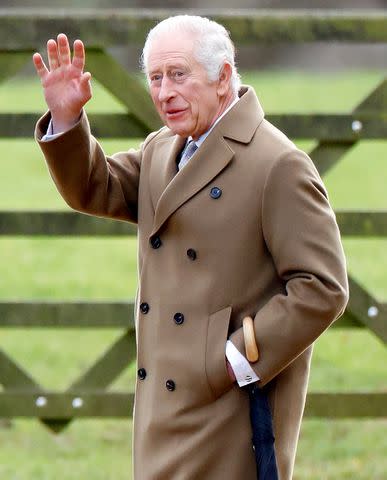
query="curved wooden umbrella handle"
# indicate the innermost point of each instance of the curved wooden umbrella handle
(250, 342)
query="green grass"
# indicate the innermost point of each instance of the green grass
(341, 450)
(68, 268)
(89, 450)
(105, 268)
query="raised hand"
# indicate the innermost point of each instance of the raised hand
(66, 87)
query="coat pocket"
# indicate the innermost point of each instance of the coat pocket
(216, 368)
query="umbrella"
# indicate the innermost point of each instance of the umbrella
(263, 438)
(260, 414)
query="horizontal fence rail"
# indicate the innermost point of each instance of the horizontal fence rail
(52, 223)
(23, 29)
(51, 314)
(61, 224)
(327, 127)
(80, 403)
(54, 405)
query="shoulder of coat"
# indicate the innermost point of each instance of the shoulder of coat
(267, 148)
(275, 137)
(163, 132)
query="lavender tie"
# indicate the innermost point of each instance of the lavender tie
(189, 150)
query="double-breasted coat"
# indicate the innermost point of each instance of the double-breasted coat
(245, 228)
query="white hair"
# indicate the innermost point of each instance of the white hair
(213, 45)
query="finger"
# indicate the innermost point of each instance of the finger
(86, 84)
(64, 49)
(79, 55)
(86, 77)
(40, 66)
(52, 52)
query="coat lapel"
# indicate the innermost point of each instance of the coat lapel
(164, 167)
(212, 157)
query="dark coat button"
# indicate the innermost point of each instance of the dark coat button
(215, 192)
(179, 318)
(141, 373)
(191, 254)
(144, 307)
(155, 242)
(170, 384)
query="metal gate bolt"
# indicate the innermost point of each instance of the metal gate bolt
(373, 312)
(41, 402)
(77, 402)
(357, 126)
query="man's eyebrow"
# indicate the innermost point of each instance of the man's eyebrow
(177, 65)
(153, 70)
(170, 66)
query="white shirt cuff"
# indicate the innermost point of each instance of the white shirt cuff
(50, 135)
(244, 374)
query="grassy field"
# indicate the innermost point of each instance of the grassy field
(105, 268)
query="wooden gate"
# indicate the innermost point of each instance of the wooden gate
(87, 396)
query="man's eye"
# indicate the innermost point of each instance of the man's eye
(178, 74)
(155, 78)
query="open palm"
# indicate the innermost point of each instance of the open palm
(66, 87)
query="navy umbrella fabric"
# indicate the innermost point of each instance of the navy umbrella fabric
(263, 437)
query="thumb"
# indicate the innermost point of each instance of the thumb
(85, 84)
(86, 77)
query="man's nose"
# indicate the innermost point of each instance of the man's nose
(166, 91)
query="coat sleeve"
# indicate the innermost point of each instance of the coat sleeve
(88, 180)
(303, 238)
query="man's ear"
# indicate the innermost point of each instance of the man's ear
(224, 79)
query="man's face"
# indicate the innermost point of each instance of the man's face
(187, 102)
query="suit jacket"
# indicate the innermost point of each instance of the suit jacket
(245, 228)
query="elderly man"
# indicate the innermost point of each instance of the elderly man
(233, 221)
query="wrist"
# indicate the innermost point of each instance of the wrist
(61, 124)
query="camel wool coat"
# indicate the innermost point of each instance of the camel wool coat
(245, 228)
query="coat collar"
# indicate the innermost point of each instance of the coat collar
(171, 189)
(241, 122)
